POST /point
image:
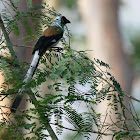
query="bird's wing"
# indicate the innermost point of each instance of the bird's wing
(49, 37)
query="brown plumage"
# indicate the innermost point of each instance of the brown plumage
(52, 30)
(49, 37)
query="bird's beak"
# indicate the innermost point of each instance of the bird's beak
(65, 20)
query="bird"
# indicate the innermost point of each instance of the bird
(49, 38)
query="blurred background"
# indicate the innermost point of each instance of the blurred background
(110, 29)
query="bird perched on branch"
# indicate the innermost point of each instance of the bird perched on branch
(49, 38)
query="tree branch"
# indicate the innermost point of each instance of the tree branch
(32, 96)
(8, 41)
(92, 131)
(44, 119)
(131, 97)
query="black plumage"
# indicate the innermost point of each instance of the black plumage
(45, 43)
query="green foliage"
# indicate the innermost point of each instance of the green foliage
(135, 56)
(79, 84)
(70, 3)
(136, 43)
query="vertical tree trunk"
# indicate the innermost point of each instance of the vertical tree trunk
(24, 53)
(104, 38)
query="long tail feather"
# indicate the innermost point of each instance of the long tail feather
(29, 76)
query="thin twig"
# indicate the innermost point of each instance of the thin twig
(44, 119)
(4, 97)
(92, 131)
(131, 97)
(8, 41)
(75, 136)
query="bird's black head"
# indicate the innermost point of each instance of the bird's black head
(64, 20)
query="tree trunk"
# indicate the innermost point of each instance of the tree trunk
(23, 52)
(104, 38)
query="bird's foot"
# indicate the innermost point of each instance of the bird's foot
(56, 49)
